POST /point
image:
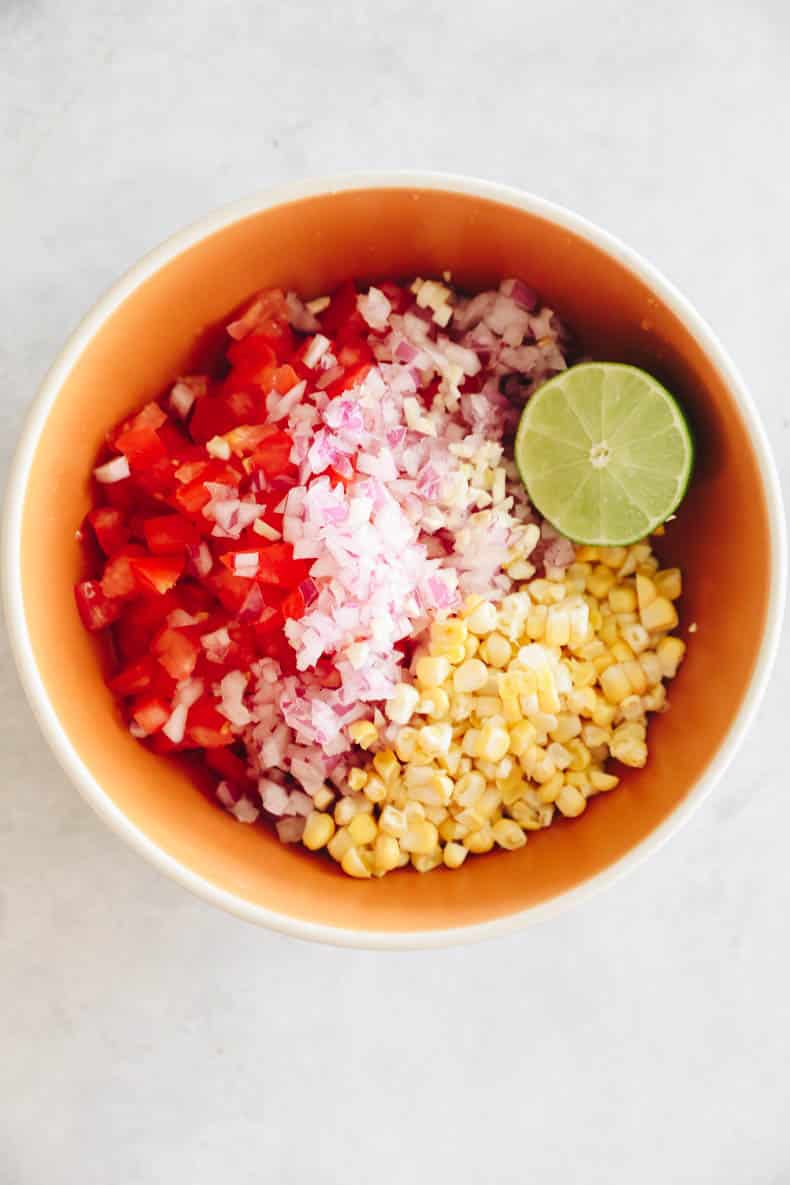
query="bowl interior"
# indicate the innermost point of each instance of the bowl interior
(311, 245)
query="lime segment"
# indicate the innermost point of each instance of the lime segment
(605, 452)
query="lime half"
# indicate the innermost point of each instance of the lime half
(605, 453)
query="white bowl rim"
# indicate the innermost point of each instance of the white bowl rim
(55, 735)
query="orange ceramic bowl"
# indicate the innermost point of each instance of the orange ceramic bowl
(728, 538)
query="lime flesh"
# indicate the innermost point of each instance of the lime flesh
(605, 453)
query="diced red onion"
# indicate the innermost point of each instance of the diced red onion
(111, 471)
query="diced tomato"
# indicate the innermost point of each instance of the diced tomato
(96, 609)
(109, 527)
(177, 652)
(342, 309)
(150, 713)
(285, 377)
(157, 573)
(118, 579)
(121, 494)
(272, 455)
(142, 448)
(293, 606)
(207, 727)
(353, 353)
(351, 378)
(169, 533)
(149, 416)
(179, 446)
(213, 416)
(231, 590)
(133, 678)
(228, 765)
(400, 298)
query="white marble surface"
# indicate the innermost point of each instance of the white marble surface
(146, 1038)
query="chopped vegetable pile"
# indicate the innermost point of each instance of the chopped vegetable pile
(320, 569)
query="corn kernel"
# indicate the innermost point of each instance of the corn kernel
(622, 599)
(357, 779)
(393, 822)
(323, 798)
(613, 557)
(471, 646)
(578, 779)
(432, 671)
(646, 591)
(635, 636)
(363, 733)
(615, 684)
(599, 582)
(651, 665)
(451, 830)
(570, 802)
(603, 713)
(435, 738)
(567, 727)
(421, 837)
(670, 652)
(346, 808)
(362, 830)
(669, 583)
(426, 862)
(621, 651)
(471, 675)
(549, 790)
(353, 864)
(414, 812)
(339, 844)
(318, 830)
(482, 619)
(375, 789)
(450, 633)
(593, 736)
(386, 765)
(599, 780)
(496, 651)
(660, 615)
(480, 841)
(536, 622)
(401, 705)
(454, 854)
(579, 756)
(493, 742)
(509, 835)
(522, 735)
(386, 853)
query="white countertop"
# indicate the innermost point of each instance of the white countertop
(146, 1038)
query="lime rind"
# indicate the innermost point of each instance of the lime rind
(644, 434)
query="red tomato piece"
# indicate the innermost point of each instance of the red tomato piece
(177, 653)
(150, 713)
(229, 589)
(272, 455)
(157, 573)
(95, 608)
(142, 448)
(229, 766)
(207, 727)
(109, 527)
(133, 678)
(293, 606)
(118, 579)
(342, 309)
(212, 417)
(168, 533)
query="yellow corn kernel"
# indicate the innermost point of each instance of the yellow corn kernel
(402, 703)
(587, 555)
(549, 790)
(635, 676)
(493, 742)
(393, 822)
(436, 703)
(632, 708)
(482, 619)
(661, 614)
(386, 765)
(435, 813)
(669, 583)
(558, 626)
(613, 557)
(496, 651)
(651, 665)
(386, 853)
(406, 744)
(469, 741)
(646, 591)
(621, 651)
(583, 674)
(487, 706)
(601, 781)
(655, 699)
(435, 738)
(635, 636)
(600, 580)
(622, 599)
(603, 713)
(363, 733)
(670, 653)
(543, 770)
(448, 633)
(579, 779)
(480, 841)
(357, 779)
(353, 864)
(615, 684)
(454, 854)
(471, 646)
(339, 844)
(580, 755)
(323, 798)
(522, 736)
(594, 736)
(414, 811)
(628, 746)
(527, 816)
(509, 835)
(346, 808)
(548, 698)
(375, 789)
(470, 676)
(536, 622)
(570, 801)
(426, 861)
(469, 787)
(318, 830)
(512, 787)
(451, 830)
(581, 702)
(432, 671)
(362, 830)
(608, 631)
(421, 837)
(568, 726)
